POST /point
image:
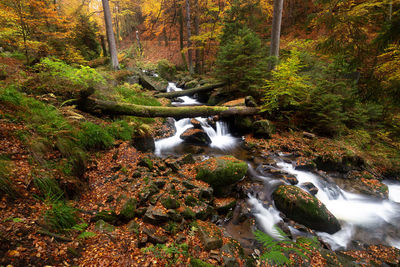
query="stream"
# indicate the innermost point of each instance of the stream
(363, 219)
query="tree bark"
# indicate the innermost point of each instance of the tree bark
(110, 35)
(190, 92)
(181, 30)
(189, 34)
(103, 45)
(97, 106)
(276, 30)
(197, 32)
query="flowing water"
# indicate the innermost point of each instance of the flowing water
(221, 139)
(362, 218)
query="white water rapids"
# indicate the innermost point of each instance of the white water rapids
(220, 137)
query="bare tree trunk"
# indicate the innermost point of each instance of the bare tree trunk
(110, 35)
(139, 44)
(276, 31)
(180, 14)
(117, 26)
(389, 18)
(196, 32)
(189, 34)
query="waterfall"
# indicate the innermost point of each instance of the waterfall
(221, 139)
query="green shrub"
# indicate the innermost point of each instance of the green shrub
(286, 89)
(84, 75)
(49, 188)
(60, 217)
(85, 38)
(93, 136)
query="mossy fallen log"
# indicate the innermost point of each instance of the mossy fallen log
(102, 107)
(190, 92)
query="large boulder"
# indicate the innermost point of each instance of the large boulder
(304, 208)
(195, 136)
(263, 129)
(221, 173)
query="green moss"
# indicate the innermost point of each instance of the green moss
(128, 211)
(305, 209)
(188, 214)
(120, 130)
(199, 263)
(93, 136)
(106, 215)
(190, 200)
(170, 203)
(221, 172)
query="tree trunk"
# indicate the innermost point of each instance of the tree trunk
(139, 44)
(276, 31)
(101, 107)
(103, 45)
(190, 92)
(180, 14)
(389, 17)
(197, 32)
(110, 35)
(189, 34)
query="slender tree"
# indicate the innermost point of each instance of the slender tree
(110, 35)
(197, 32)
(189, 34)
(276, 30)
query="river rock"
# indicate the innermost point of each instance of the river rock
(196, 124)
(310, 187)
(155, 215)
(263, 129)
(144, 143)
(210, 237)
(304, 208)
(196, 137)
(221, 173)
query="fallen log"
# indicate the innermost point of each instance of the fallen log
(190, 92)
(97, 106)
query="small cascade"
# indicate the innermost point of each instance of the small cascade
(220, 137)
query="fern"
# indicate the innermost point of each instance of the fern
(275, 251)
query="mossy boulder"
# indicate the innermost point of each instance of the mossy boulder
(170, 203)
(128, 211)
(103, 226)
(221, 173)
(304, 208)
(107, 216)
(263, 129)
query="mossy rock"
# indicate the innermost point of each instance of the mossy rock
(170, 203)
(107, 216)
(263, 129)
(188, 214)
(146, 162)
(191, 84)
(221, 172)
(190, 200)
(223, 205)
(304, 208)
(103, 226)
(129, 209)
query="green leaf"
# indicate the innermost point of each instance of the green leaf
(86, 235)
